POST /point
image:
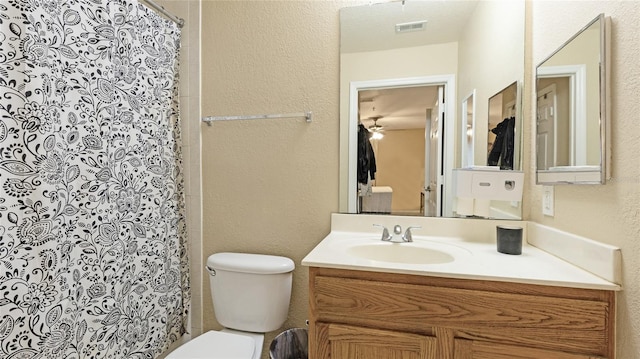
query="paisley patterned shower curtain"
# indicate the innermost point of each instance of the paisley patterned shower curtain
(92, 232)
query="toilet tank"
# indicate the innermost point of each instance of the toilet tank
(250, 292)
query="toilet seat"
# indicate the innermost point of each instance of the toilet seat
(214, 344)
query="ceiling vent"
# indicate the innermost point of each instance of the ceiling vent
(411, 26)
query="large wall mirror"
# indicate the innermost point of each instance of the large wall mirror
(407, 70)
(571, 109)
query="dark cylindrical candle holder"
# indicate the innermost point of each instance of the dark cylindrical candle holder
(509, 239)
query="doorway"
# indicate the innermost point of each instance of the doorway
(546, 128)
(415, 154)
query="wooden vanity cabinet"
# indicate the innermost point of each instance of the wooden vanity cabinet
(370, 315)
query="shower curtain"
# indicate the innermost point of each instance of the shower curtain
(93, 257)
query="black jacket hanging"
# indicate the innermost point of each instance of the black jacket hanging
(366, 157)
(502, 149)
(506, 156)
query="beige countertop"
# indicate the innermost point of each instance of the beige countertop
(475, 254)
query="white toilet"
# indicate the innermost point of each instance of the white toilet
(251, 294)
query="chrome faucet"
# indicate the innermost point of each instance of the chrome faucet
(408, 237)
(397, 232)
(385, 232)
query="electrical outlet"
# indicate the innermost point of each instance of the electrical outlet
(547, 200)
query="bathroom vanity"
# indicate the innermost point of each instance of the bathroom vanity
(481, 304)
(361, 314)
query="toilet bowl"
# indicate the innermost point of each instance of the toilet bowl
(251, 295)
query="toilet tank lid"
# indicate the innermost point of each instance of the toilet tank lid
(250, 263)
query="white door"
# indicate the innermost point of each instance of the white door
(434, 158)
(546, 128)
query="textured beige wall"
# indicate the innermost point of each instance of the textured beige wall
(607, 213)
(269, 185)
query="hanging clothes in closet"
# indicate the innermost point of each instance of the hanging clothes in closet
(502, 150)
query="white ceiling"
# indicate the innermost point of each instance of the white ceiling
(400, 108)
(372, 28)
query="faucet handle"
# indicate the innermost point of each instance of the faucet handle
(385, 232)
(408, 237)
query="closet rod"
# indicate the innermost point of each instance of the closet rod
(160, 9)
(306, 115)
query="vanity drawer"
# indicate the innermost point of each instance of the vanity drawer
(525, 315)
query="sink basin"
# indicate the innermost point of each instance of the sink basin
(408, 253)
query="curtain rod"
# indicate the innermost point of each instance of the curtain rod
(160, 9)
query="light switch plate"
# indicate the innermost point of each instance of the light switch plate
(548, 200)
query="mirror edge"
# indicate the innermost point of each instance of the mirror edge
(605, 107)
(605, 98)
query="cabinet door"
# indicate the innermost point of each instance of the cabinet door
(474, 349)
(337, 341)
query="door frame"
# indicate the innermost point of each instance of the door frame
(448, 130)
(577, 75)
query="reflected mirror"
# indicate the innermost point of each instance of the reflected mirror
(571, 109)
(467, 122)
(502, 141)
(405, 69)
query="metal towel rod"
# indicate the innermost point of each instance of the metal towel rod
(209, 119)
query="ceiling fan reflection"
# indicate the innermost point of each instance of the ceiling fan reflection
(375, 129)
